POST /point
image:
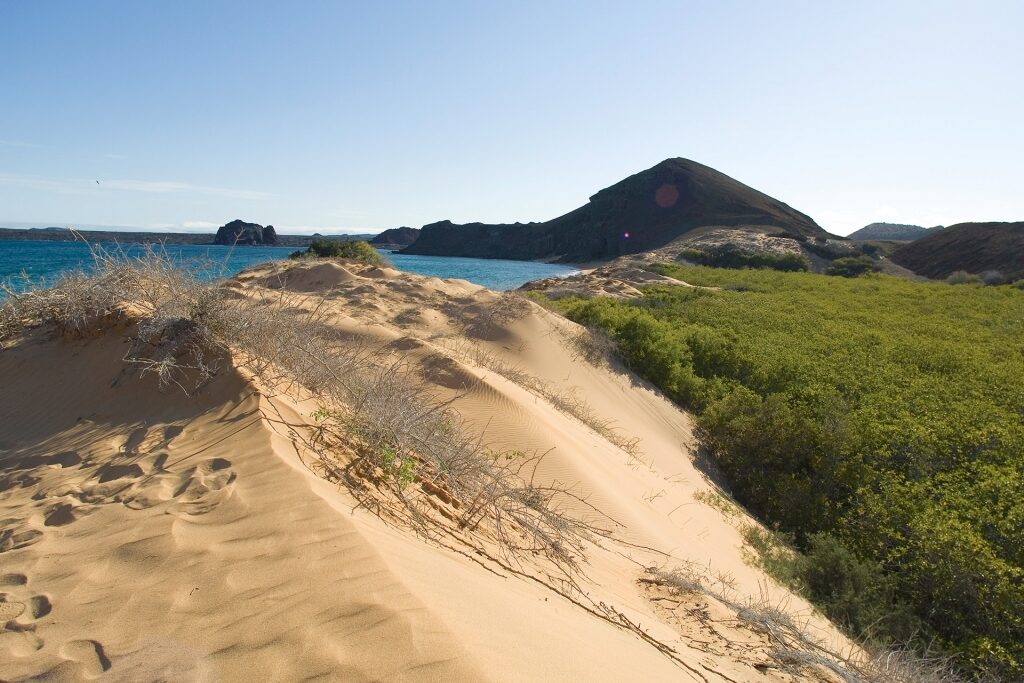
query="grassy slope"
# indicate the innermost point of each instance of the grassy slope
(884, 413)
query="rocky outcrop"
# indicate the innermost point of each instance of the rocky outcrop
(396, 238)
(643, 212)
(240, 232)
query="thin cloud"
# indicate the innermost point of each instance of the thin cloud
(194, 225)
(310, 229)
(35, 183)
(79, 186)
(19, 143)
(175, 187)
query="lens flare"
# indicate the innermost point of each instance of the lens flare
(667, 195)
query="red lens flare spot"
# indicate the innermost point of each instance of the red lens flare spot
(667, 195)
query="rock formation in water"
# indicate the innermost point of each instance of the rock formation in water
(240, 232)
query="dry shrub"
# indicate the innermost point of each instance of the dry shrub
(185, 330)
(592, 345)
(506, 309)
(798, 651)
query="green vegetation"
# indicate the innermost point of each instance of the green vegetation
(962, 277)
(353, 249)
(876, 422)
(730, 256)
(852, 266)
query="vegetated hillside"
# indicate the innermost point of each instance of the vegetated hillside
(875, 419)
(643, 212)
(973, 247)
(892, 231)
(396, 237)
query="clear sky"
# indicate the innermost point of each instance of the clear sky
(368, 115)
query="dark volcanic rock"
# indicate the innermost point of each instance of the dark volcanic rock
(240, 232)
(396, 237)
(974, 247)
(643, 212)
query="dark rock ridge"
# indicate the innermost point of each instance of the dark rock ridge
(973, 247)
(127, 237)
(643, 212)
(240, 232)
(396, 237)
(892, 231)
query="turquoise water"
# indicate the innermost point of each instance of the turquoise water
(43, 261)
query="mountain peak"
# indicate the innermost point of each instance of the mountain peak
(644, 211)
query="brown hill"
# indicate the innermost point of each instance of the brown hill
(973, 247)
(643, 212)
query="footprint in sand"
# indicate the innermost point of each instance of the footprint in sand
(60, 514)
(39, 606)
(136, 483)
(18, 616)
(36, 607)
(9, 611)
(205, 486)
(10, 580)
(88, 654)
(15, 538)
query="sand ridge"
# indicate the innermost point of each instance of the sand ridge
(151, 535)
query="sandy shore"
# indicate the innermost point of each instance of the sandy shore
(146, 534)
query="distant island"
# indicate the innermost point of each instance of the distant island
(247, 234)
(240, 232)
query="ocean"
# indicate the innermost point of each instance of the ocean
(44, 261)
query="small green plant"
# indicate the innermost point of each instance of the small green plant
(853, 266)
(388, 458)
(398, 466)
(962, 277)
(406, 472)
(774, 552)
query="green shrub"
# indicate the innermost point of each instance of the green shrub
(357, 250)
(731, 256)
(882, 412)
(852, 266)
(962, 277)
(855, 593)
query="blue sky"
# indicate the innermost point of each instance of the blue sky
(363, 116)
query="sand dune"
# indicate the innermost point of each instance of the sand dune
(146, 534)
